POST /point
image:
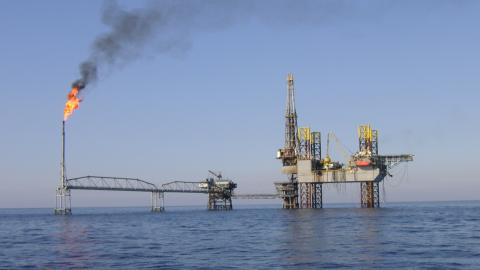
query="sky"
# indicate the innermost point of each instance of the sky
(215, 99)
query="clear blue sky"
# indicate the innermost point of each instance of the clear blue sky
(409, 68)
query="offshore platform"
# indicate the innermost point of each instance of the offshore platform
(307, 170)
(302, 161)
(220, 190)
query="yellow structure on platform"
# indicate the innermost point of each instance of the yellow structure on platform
(304, 134)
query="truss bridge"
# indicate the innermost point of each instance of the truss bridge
(219, 190)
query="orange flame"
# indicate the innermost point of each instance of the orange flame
(72, 103)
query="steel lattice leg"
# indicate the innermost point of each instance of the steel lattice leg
(303, 194)
(376, 194)
(63, 202)
(310, 195)
(212, 203)
(318, 196)
(370, 194)
(293, 202)
(158, 201)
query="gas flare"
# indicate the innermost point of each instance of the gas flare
(72, 103)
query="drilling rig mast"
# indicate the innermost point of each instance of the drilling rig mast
(291, 135)
(288, 154)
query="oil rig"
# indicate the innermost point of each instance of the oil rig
(307, 170)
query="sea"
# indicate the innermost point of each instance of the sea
(433, 235)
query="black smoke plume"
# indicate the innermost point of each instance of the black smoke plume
(171, 23)
(129, 32)
(168, 25)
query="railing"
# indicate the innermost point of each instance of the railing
(187, 187)
(133, 184)
(393, 160)
(110, 183)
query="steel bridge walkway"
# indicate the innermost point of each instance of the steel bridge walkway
(104, 183)
(132, 184)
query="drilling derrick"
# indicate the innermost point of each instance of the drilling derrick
(307, 171)
(289, 151)
(288, 154)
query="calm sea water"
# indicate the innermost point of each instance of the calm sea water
(398, 236)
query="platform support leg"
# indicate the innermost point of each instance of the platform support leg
(318, 198)
(63, 202)
(158, 200)
(219, 201)
(310, 195)
(370, 194)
